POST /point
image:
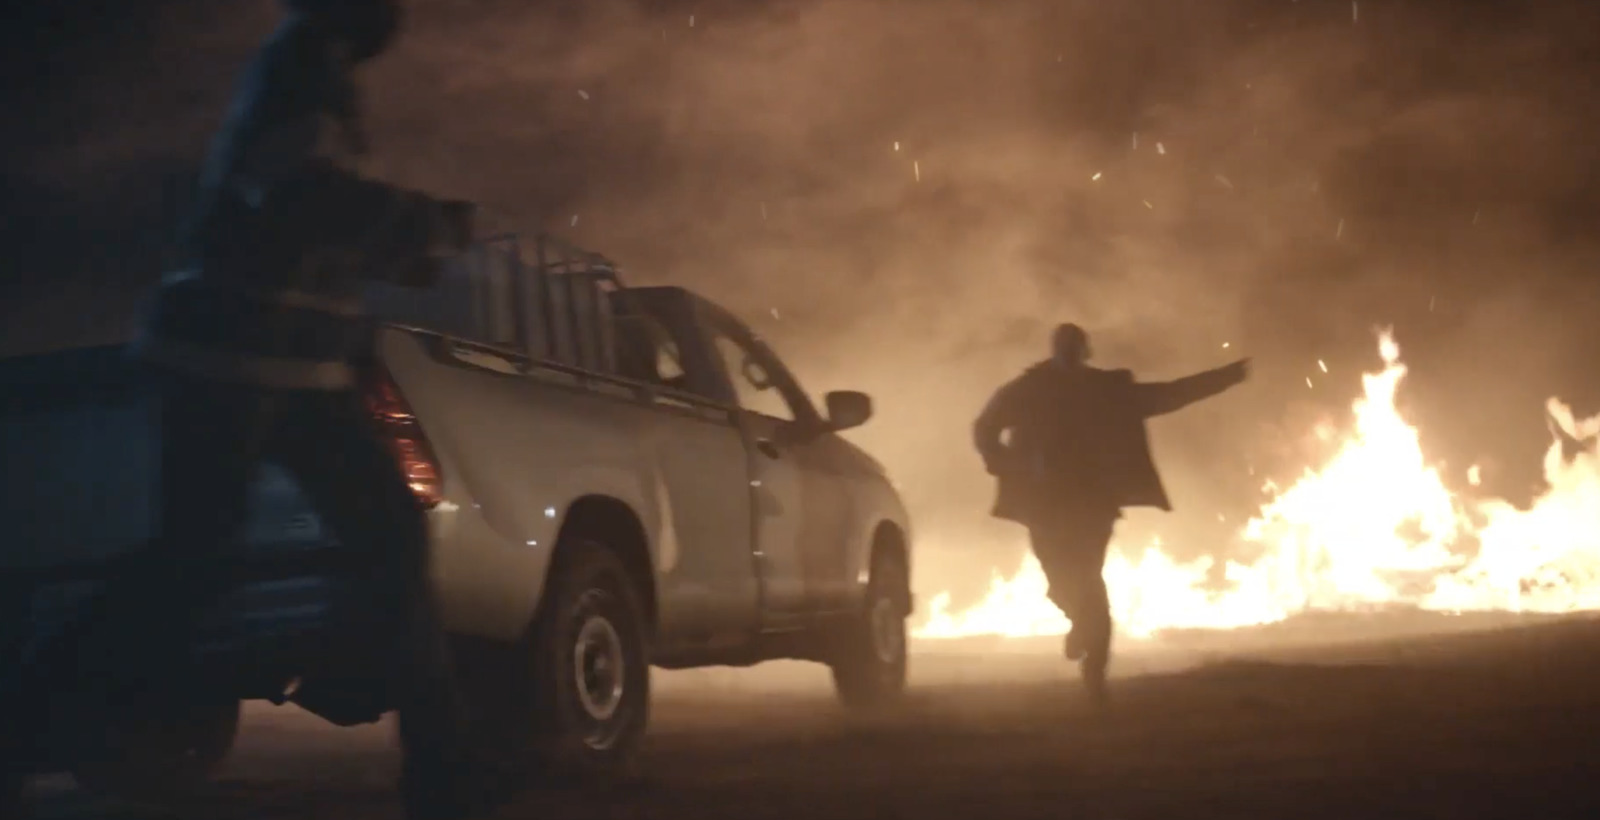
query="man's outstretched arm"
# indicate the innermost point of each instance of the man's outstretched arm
(1159, 398)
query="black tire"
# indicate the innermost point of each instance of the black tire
(526, 701)
(163, 756)
(868, 657)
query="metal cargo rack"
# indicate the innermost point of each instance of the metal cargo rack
(547, 299)
(570, 289)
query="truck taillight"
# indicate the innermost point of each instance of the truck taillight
(400, 428)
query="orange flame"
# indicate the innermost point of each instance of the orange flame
(1374, 525)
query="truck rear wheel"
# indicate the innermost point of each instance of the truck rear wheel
(868, 654)
(572, 698)
(161, 756)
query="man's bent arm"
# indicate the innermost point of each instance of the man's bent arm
(1159, 398)
(991, 424)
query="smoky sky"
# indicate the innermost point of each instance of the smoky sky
(904, 195)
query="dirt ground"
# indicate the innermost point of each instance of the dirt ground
(1504, 723)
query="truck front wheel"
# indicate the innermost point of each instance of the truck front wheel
(868, 654)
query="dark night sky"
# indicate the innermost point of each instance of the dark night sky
(1324, 168)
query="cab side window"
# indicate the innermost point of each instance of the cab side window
(757, 390)
(647, 352)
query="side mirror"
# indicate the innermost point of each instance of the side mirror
(847, 409)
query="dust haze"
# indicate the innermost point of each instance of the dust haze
(905, 195)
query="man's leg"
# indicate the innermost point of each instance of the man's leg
(1072, 553)
(206, 455)
(1049, 548)
(350, 475)
(1093, 601)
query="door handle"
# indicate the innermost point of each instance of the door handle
(767, 448)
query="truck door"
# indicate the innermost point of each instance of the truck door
(709, 592)
(796, 523)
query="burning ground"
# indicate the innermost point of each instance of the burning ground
(1374, 525)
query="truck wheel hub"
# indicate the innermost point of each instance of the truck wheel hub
(599, 667)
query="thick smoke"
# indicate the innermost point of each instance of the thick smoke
(904, 195)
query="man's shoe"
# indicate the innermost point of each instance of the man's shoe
(1094, 679)
(1074, 648)
(1099, 695)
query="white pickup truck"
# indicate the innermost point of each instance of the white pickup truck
(617, 478)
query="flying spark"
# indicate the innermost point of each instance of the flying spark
(1161, 149)
(1308, 382)
(916, 170)
(583, 94)
(1096, 177)
(1340, 230)
(1148, 205)
(574, 220)
(1225, 345)
(1322, 365)
(896, 145)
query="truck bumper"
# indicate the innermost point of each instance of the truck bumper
(260, 634)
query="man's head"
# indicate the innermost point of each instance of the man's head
(1069, 345)
(366, 26)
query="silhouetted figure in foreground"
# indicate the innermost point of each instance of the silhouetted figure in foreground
(256, 349)
(1077, 454)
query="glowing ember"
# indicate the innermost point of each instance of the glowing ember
(1374, 525)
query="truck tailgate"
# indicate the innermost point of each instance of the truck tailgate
(78, 483)
(77, 455)
(79, 467)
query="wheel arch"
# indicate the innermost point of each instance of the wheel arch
(611, 522)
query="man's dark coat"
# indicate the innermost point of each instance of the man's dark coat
(1078, 438)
